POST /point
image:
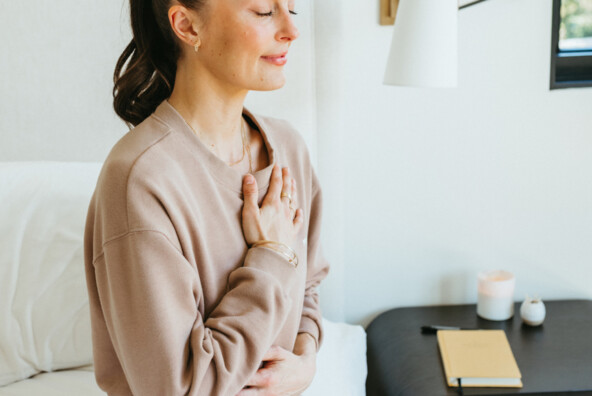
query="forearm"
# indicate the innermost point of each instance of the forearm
(198, 355)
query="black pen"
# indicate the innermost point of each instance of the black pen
(433, 329)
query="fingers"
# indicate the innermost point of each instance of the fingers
(250, 191)
(298, 219)
(275, 185)
(250, 213)
(281, 186)
(264, 376)
(278, 217)
(250, 392)
(294, 196)
(294, 203)
(286, 195)
(261, 378)
(284, 373)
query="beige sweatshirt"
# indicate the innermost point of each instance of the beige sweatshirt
(179, 303)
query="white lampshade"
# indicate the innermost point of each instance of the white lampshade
(424, 49)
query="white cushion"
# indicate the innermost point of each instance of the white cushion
(44, 315)
(341, 362)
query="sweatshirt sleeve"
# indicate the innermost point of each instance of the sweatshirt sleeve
(149, 296)
(318, 268)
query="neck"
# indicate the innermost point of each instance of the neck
(213, 110)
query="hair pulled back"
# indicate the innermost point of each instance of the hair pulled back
(145, 72)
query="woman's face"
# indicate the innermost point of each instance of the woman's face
(244, 43)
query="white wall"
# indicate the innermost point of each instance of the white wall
(442, 183)
(423, 188)
(56, 80)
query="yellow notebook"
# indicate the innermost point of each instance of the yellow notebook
(480, 358)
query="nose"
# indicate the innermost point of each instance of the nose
(288, 30)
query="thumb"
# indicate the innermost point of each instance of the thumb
(250, 191)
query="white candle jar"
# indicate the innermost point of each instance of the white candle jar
(495, 300)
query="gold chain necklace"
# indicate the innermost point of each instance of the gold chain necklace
(246, 146)
(244, 149)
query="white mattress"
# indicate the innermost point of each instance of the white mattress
(73, 382)
(341, 370)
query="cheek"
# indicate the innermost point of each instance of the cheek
(255, 41)
(238, 47)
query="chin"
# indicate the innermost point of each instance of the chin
(270, 83)
(268, 88)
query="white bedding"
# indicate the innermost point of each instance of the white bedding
(44, 312)
(73, 382)
(341, 370)
(44, 317)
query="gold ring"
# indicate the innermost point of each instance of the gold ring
(283, 194)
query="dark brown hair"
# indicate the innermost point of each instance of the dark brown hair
(145, 72)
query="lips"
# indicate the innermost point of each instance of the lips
(278, 60)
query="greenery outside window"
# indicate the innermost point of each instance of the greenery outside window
(571, 44)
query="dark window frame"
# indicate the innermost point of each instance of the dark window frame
(569, 69)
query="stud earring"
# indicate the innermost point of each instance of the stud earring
(197, 44)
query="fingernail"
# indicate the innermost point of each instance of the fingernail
(249, 179)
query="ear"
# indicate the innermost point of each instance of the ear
(185, 25)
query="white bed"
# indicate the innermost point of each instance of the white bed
(44, 312)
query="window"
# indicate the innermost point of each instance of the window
(571, 44)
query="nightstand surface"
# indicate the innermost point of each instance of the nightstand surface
(554, 359)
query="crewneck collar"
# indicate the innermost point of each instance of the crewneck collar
(223, 173)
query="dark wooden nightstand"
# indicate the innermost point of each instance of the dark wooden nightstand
(554, 359)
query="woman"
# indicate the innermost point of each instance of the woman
(202, 247)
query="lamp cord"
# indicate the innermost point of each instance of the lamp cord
(470, 4)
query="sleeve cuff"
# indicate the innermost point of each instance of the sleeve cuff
(308, 325)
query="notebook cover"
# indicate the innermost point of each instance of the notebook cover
(481, 358)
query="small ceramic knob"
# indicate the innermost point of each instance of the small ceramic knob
(532, 311)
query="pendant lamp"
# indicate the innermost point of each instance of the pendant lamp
(424, 47)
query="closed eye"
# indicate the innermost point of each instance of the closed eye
(270, 13)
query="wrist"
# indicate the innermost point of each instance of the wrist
(305, 344)
(280, 248)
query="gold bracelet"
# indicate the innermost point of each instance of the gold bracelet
(281, 248)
